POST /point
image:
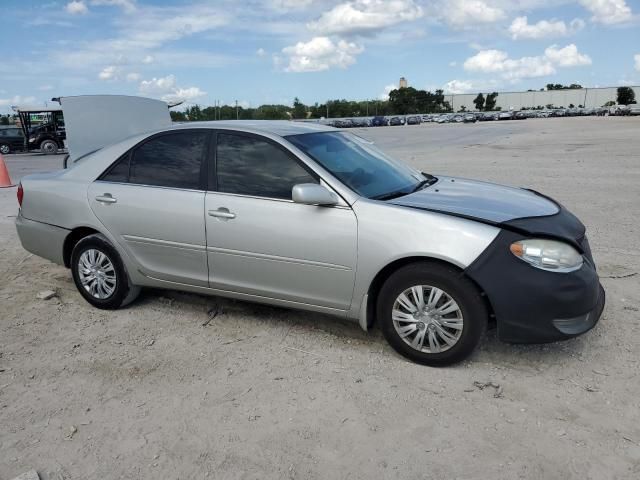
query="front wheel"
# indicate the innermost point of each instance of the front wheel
(4, 148)
(99, 274)
(431, 314)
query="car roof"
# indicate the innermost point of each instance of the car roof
(280, 128)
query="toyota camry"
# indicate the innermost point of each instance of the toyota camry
(305, 216)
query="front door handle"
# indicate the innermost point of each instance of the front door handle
(106, 198)
(222, 213)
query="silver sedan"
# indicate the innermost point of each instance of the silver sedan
(305, 216)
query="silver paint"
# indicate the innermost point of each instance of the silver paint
(267, 250)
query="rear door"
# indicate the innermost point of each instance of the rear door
(260, 242)
(152, 201)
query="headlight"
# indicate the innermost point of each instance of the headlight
(548, 255)
(32, 139)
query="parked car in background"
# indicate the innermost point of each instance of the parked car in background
(11, 140)
(520, 115)
(470, 118)
(379, 121)
(414, 120)
(505, 116)
(395, 121)
(344, 123)
(360, 122)
(429, 259)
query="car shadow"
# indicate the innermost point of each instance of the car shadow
(269, 316)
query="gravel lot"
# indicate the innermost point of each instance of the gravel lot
(268, 393)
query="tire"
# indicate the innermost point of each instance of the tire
(463, 328)
(49, 147)
(99, 274)
(5, 148)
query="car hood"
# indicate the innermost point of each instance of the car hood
(483, 201)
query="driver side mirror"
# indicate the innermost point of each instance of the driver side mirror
(313, 194)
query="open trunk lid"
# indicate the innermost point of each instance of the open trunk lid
(95, 121)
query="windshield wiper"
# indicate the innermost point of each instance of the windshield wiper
(429, 180)
(392, 195)
(420, 185)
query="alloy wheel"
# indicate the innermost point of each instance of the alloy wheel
(427, 318)
(97, 274)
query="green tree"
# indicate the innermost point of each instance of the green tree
(559, 86)
(626, 96)
(4, 120)
(490, 102)
(479, 102)
(176, 116)
(299, 109)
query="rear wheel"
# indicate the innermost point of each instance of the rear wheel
(49, 147)
(99, 274)
(431, 314)
(4, 148)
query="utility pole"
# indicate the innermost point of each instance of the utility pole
(327, 108)
(236, 109)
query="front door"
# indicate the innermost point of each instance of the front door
(152, 201)
(262, 243)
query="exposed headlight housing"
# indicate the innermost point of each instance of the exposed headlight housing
(32, 139)
(550, 255)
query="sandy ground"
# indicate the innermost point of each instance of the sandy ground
(268, 393)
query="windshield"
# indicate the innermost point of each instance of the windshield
(359, 164)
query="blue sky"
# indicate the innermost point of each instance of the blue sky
(269, 51)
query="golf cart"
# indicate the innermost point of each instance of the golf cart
(43, 128)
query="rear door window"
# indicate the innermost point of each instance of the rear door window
(173, 160)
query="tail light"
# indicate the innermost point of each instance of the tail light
(20, 194)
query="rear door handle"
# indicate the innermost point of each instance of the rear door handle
(222, 213)
(106, 198)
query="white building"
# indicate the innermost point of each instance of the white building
(587, 97)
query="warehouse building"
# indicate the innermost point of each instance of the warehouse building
(587, 97)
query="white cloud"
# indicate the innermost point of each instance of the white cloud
(110, 72)
(261, 52)
(321, 53)
(16, 100)
(567, 56)
(365, 16)
(158, 86)
(521, 29)
(152, 28)
(462, 14)
(133, 77)
(608, 11)
(458, 86)
(77, 7)
(286, 5)
(387, 90)
(184, 95)
(129, 6)
(497, 61)
(637, 59)
(45, 88)
(167, 89)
